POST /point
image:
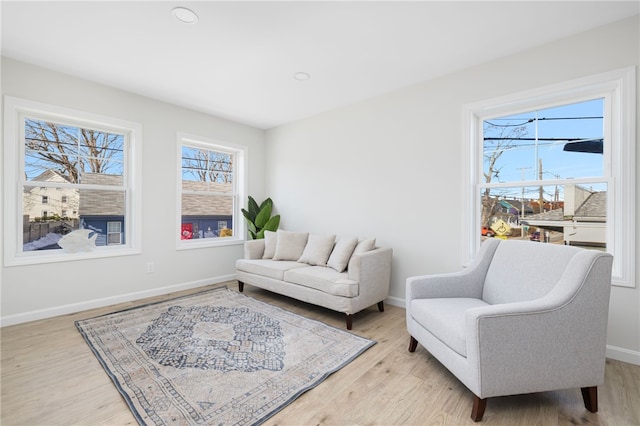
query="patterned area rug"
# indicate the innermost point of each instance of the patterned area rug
(216, 357)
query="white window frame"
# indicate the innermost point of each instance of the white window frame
(15, 110)
(241, 155)
(618, 88)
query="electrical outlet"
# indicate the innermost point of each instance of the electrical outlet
(150, 267)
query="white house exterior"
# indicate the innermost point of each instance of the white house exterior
(45, 201)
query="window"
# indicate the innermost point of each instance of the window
(211, 187)
(71, 161)
(556, 165)
(114, 233)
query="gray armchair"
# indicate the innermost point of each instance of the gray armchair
(524, 317)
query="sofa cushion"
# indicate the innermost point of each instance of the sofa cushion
(268, 268)
(270, 240)
(318, 249)
(290, 245)
(341, 253)
(445, 319)
(365, 246)
(323, 279)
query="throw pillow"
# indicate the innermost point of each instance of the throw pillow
(365, 246)
(318, 250)
(270, 240)
(290, 245)
(341, 253)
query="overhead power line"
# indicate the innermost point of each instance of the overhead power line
(531, 120)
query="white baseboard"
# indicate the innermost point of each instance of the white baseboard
(624, 355)
(107, 301)
(395, 301)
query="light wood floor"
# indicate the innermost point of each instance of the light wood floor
(50, 377)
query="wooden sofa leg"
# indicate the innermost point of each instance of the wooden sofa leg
(349, 321)
(477, 411)
(381, 306)
(590, 397)
(240, 286)
(413, 344)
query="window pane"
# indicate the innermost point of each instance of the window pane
(101, 179)
(561, 214)
(555, 143)
(114, 233)
(49, 147)
(202, 215)
(45, 218)
(206, 170)
(71, 152)
(98, 209)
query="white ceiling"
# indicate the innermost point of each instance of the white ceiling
(238, 61)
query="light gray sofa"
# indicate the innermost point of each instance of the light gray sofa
(524, 317)
(345, 275)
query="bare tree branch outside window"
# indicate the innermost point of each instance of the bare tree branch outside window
(502, 139)
(71, 151)
(206, 166)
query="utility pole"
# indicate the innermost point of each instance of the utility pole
(541, 191)
(522, 169)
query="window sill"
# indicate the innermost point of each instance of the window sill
(208, 243)
(61, 256)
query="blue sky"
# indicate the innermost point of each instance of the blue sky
(560, 122)
(70, 144)
(519, 160)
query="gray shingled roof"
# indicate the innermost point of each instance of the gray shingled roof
(594, 207)
(556, 214)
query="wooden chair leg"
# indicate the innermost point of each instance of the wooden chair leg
(381, 306)
(477, 411)
(240, 286)
(590, 397)
(413, 344)
(349, 321)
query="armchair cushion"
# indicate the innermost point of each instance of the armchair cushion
(445, 319)
(505, 281)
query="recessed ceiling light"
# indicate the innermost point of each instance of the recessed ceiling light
(185, 15)
(302, 76)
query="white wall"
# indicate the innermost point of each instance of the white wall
(30, 292)
(390, 167)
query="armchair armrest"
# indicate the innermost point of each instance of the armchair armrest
(456, 284)
(465, 283)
